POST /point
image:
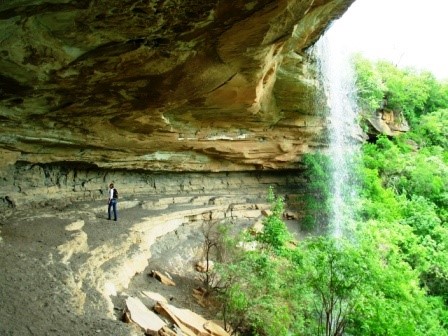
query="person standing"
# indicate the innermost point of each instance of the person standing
(112, 203)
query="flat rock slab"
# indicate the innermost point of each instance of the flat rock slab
(138, 313)
(162, 278)
(188, 320)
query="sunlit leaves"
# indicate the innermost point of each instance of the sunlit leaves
(383, 85)
(369, 85)
(432, 129)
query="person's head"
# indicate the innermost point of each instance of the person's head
(111, 185)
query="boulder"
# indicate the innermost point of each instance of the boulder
(203, 266)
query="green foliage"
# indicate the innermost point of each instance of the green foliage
(367, 285)
(376, 201)
(382, 85)
(438, 93)
(428, 177)
(317, 196)
(369, 85)
(406, 172)
(333, 271)
(275, 234)
(252, 296)
(253, 286)
(364, 286)
(435, 275)
(407, 90)
(420, 214)
(391, 276)
(405, 188)
(432, 129)
(393, 303)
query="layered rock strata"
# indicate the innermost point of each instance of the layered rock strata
(179, 102)
(174, 85)
(58, 185)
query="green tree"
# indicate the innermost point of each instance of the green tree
(275, 234)
(383, 85)
(369, 85)
(438, 93)
(333, 271)
(390, 301)
(432, 129)
(253, 287)
(406, 91)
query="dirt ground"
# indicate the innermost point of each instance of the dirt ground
(50, 287)
(55, 262)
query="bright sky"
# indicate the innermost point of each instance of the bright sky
(404, 32)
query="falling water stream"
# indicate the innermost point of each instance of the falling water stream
(337, 75)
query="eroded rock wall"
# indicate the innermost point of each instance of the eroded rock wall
(174, 85)
(58, 185)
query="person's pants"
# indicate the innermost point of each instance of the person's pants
(113, 205)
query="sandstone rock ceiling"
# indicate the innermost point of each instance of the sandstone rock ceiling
(177, 85)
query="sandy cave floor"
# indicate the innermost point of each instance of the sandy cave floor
(44, 293)
(37, 294)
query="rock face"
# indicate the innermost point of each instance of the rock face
(179, 102)
(173, 85)
(387, 122)
(24, 185)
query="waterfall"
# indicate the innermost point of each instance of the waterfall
(338, 79)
